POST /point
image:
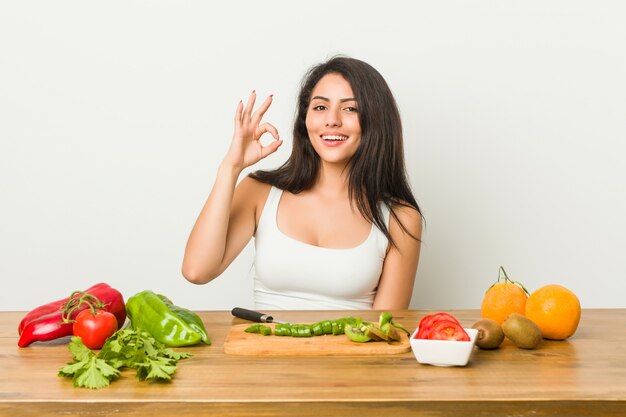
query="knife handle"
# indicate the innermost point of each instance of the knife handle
(251, 315)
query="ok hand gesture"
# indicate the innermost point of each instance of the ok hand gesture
(246, 148)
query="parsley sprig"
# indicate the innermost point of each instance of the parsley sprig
(132, 348)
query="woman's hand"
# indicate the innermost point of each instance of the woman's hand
(246, 148)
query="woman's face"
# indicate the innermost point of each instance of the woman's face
(332, 119)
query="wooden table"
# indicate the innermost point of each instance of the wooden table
(583, 376)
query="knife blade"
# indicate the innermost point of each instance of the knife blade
(256, 316)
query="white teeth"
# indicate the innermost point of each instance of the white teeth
(334, 137)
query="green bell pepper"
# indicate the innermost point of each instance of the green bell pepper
(167, 323)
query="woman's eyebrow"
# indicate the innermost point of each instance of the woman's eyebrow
(343, 100)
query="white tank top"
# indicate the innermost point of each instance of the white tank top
(292, 275)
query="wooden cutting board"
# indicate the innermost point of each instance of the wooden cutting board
(238, 342)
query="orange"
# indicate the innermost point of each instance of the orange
(503, 298)
(556, 310)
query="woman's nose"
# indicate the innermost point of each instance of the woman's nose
(333, 118)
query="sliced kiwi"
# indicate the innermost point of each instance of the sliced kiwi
(522, 331)
(375, 334)
(392, 333)
(357, 333)
(490, 334)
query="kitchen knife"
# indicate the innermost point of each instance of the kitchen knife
(251, 315)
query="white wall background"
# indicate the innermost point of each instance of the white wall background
(115, 115)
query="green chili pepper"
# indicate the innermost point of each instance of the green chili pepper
(283, 329)
(337, 328)
(317, 329)
(259, 328)
(327, 327)
(147, 311)
(384, 318)
(252, 329)
(301, 330)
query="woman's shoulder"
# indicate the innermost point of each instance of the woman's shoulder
(410, 218)
(254, 188)
(252, 192)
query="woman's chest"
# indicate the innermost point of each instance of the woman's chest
(322, 222)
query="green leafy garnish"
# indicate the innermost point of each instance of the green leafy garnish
(131, 348)
(87, 369)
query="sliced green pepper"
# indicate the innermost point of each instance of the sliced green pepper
(283, 329)
(301, 330)
(327, 327)
(384, 318)
(252, 329)
(317, 329)
(259, 328)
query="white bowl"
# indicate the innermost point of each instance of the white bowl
(443, 352)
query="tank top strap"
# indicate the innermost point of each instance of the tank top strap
(382, 241)
(270, 208)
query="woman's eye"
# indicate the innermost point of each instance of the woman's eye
(351, 109)
(319, 107)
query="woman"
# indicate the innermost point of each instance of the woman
(336, 226)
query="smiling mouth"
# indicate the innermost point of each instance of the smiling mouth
(334, 138)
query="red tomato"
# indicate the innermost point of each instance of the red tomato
(448, 330)
(94, 329)
(426, 324)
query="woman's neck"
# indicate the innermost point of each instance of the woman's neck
(332, 179)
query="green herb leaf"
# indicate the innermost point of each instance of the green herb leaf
(132, 348)
(175, 355)
(156, 368)
(71, 368)
(92, 375)
(79, 350)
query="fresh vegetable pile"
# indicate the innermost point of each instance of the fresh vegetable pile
(355, 328)
(95, 318)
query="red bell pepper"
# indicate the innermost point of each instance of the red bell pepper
(50, 308)
(51, 321)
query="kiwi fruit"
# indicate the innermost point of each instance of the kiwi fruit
(391, 332)
(357, 333)
(522, 331)
(375, 333)
(490, 334)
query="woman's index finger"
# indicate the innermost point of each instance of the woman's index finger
(258, 114)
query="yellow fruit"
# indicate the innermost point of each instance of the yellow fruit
(555, 310)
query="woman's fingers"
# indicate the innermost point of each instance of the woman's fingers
(247, 122)
(270, 148)
(266, 128)
(249, 106)
(238, 113)
(255, 118)
(258, 114)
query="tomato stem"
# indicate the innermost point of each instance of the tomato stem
(76, 301)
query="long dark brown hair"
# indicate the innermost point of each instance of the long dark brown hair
(376, 171)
